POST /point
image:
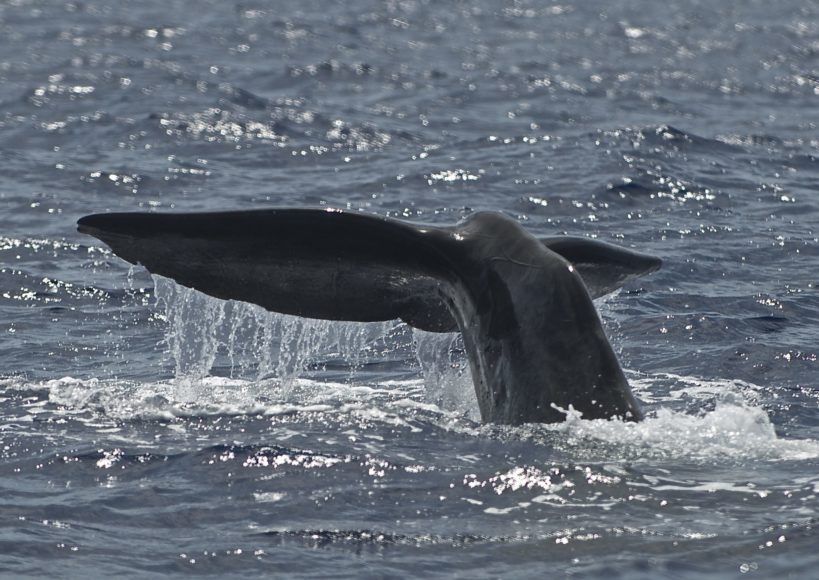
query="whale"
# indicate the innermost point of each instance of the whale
(524, 305)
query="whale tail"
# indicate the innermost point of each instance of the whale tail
(533, 337)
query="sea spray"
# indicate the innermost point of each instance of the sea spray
(446, 373)
(206, 336)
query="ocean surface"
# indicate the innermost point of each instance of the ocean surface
(147, 430)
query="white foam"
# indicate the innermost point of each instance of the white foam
(126, 400)
(730, 431)
(269, 496)
(733, 430)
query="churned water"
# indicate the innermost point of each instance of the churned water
(148, 430)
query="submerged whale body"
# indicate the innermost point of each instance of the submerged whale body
(535, 343)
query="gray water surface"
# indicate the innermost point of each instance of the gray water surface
(148, 430)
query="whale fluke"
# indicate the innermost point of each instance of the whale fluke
(532, 334)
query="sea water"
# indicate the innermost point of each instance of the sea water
(148, 430)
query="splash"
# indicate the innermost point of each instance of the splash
(694, 418)
(732, 431)
(204, 334)
(234, 358)
(446, 372)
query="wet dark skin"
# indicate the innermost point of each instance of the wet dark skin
(535, 343)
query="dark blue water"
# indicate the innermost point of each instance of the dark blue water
(147, 430)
